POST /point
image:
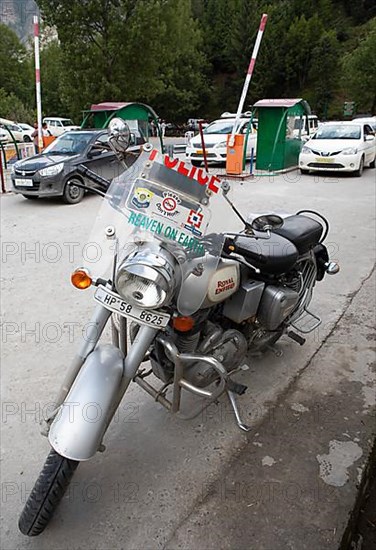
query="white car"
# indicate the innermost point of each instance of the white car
(340, 146)
(371, 120)
(215, 139)
(58, 125)
(301, 128)
(17, 131)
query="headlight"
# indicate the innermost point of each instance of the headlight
(306, 150)
(52, 170)
(146, 278)
(350, 151)
(222, 144)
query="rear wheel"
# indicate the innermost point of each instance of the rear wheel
(72, 194)
(359, 172)
(47, 493)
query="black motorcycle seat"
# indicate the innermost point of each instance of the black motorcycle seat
(273, 256)
(301, 230)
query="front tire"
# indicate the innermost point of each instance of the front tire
(31, 197)
(359, 172)
(372, 164)
(47, 493)
(72, 194)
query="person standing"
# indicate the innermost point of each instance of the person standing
(163, 128)
(34, 136)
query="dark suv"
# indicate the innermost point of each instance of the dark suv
(47, 174)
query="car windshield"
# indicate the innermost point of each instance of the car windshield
(338, 131)
(70, 143)
(219, 127)
(67, 122)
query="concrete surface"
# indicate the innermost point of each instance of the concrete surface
(158, 473)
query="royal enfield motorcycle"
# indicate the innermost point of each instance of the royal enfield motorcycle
(191, 289)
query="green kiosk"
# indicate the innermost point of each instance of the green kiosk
(278, 133)
(138, 116)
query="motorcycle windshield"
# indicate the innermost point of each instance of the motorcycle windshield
(165, 201)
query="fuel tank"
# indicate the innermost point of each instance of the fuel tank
(223, 283)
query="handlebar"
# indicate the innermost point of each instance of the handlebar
(102, 182)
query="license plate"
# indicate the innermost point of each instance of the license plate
(110, 300)
(22, 182)
(324, 160)
(199, 152)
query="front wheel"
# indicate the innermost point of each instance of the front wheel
(359, 172)
(47, 493)
(372, 164)
(72, 194)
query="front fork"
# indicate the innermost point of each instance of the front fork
(131, 362)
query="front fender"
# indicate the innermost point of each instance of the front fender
(78, 427)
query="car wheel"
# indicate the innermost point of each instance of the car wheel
(72, 194)
(304, 172)
(196, 163)
(359, 171)
(31, 197)
(27, 139)
(372, 164)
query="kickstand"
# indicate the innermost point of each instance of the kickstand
(232, 398)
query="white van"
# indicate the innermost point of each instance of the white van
(58, 125)
(301, 128)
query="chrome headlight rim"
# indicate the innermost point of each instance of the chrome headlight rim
(156, 269)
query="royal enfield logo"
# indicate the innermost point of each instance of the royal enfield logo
(227, 284)
(168, 206)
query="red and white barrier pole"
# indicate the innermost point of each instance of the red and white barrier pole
(37, 83)
(251, 66)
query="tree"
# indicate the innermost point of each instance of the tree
(15, 66)
(323, 73)
(359, 75)
(145, 50)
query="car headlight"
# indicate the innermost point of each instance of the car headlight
(52, 170)
(349, 151)
(221, 144)
(306, 150)
(146, 278)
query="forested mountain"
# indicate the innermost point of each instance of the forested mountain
(18, 16)
(189, 57)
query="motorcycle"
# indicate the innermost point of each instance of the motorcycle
(191, 289)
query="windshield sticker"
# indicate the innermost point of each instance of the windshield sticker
(141, 197)
(194, 222)
(199, 175)
(166, 231)
(168, 206)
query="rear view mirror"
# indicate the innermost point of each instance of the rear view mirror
(119, 135)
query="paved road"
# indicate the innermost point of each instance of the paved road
(156, 468)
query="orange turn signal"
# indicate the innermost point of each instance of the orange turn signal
(81, 279)
(183, 324)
